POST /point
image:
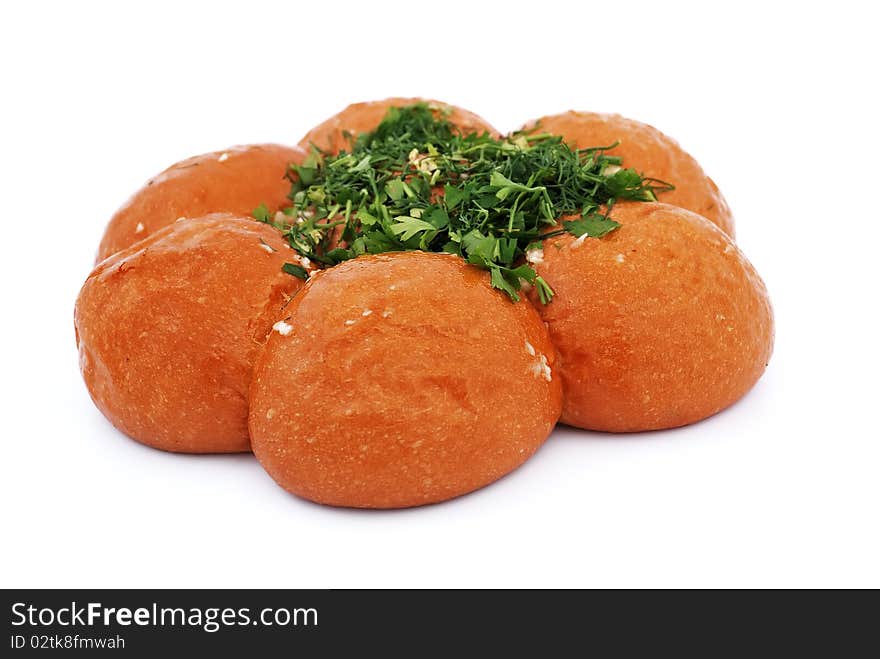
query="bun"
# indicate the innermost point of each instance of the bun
(401, 379)
(168, 330)
(661, 323)
(235, 181)
(647, 150)
(363, 117)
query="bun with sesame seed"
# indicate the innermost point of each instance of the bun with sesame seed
(235, 180)
(660, 323)
(168, 329)
(401, 379)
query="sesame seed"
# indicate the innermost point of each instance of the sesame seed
(535, 256)
(541, 368)
(223, 157)
(282, 328)
(578, 242)
(139, 228)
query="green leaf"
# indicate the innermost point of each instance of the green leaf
(499, 180)
(377, 242)
(594, 226)
(262, 213)
(406, 227)
(307, 175)
(545, 293)
(499, 281)
(394, 188)
(454, 196)
(366, 219)
(451, 248)
(338, 255)
(437, 218)
(295, 270)
(623, 180)
(362, 165)
(524, 272)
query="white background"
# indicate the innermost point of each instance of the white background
(777, 102)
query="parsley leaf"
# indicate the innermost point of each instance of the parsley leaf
(593, 225)
(295, 270)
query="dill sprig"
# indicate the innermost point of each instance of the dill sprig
(415, 183)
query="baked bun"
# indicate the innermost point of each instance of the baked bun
(357, 118)
(401, 379)
(661, 323)
(235, 180)
(647, 150)
(168, 330)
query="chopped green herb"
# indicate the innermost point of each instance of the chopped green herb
(295, 270)
(262, 213)
(414, 183)
(593, 225)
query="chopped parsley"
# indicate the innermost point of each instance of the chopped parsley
(414, 183)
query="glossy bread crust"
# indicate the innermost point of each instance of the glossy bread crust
(363, 117)
(659, 324)
(168, 330)
(399, 380)
(649, 151)
(235, 180)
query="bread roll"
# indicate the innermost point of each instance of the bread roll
(235, 180)
(661, 323)
(357, 118)
(647, 150)
(168, 330)
(401, 379)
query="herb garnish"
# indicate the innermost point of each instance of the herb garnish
(414, 183)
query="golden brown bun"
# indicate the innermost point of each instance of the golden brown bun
(235, 180)
(363, 117)
(661, 323)
(399, 380)
(168, 330)
(649, 151)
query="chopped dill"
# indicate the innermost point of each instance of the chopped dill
(415, 183)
